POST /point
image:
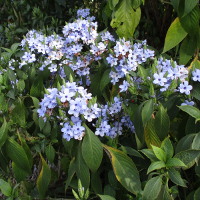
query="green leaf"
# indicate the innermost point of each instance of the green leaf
(68, 71)
(96, 183)
(190, 22)
(112, 3)
(92, 150)
(175, 4)
(167, 147)
(185, 143)
(155, 166)
(14, 47)
(149, 154)
(19, 114)
(106, 197)
(82, 169)
(131, 151)
(37, 87)
(194, 112)
(105, 80)
(125, 19)
(196, 142)
(197, 194)
(152, 188)
(50, 153)
(137, 120)
(175, 177)
(3, 133)
(175, 162)
(17, 154)
(195, 91)
(43, 179)
(5, 188)
(185, 52)
(124, 169)
(189, 5)
(159, 153)
(71, 172)
(147, 111)
(136, 3)
(109, 190)
(175, 35)
(162, 123)
(19, 173)
(151, 138)
(20, 85)
(188, 157)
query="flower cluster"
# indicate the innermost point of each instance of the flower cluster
(168, 72)
(125, 58)
(80, 48)
(75, 107)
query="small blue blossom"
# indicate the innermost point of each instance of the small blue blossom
(185, 88)
(196, 75)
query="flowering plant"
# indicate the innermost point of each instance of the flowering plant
(116, 95)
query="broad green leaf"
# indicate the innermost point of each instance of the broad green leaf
(197, 194)
(185, 52)
(167, 147)
(112, 3)
(151, 138)
(19, 173)
(175, 35)
(137, 120)
(125, 19)
(196, 141)
(159, 153)
(188, 157)
(50, 153)
(155, 166)
(194, 112)
(71, 172)
(147, 111)
(136, 3)
(190, 22)
(185, 143)
(174, 162)
(37, 88)
(43, 179)
(96, 183)
(189, 5)
(124, 169)
(17, 154)
(20, 85)
(152, 188)
(68, 71)
(82, 169)
(195, 91)
(105, 80)
(3, 133)
(5, 188)
(106, 197)
(175, 177)
(162, 123)
(131, 151)
(14, 47)
(19, 114)
(164, 193)
(175, 4)
(149, 154)
(92, 150)
(109, 190)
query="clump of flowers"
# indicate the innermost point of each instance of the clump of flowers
(83, 50)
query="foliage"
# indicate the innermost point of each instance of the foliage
(88, 113)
